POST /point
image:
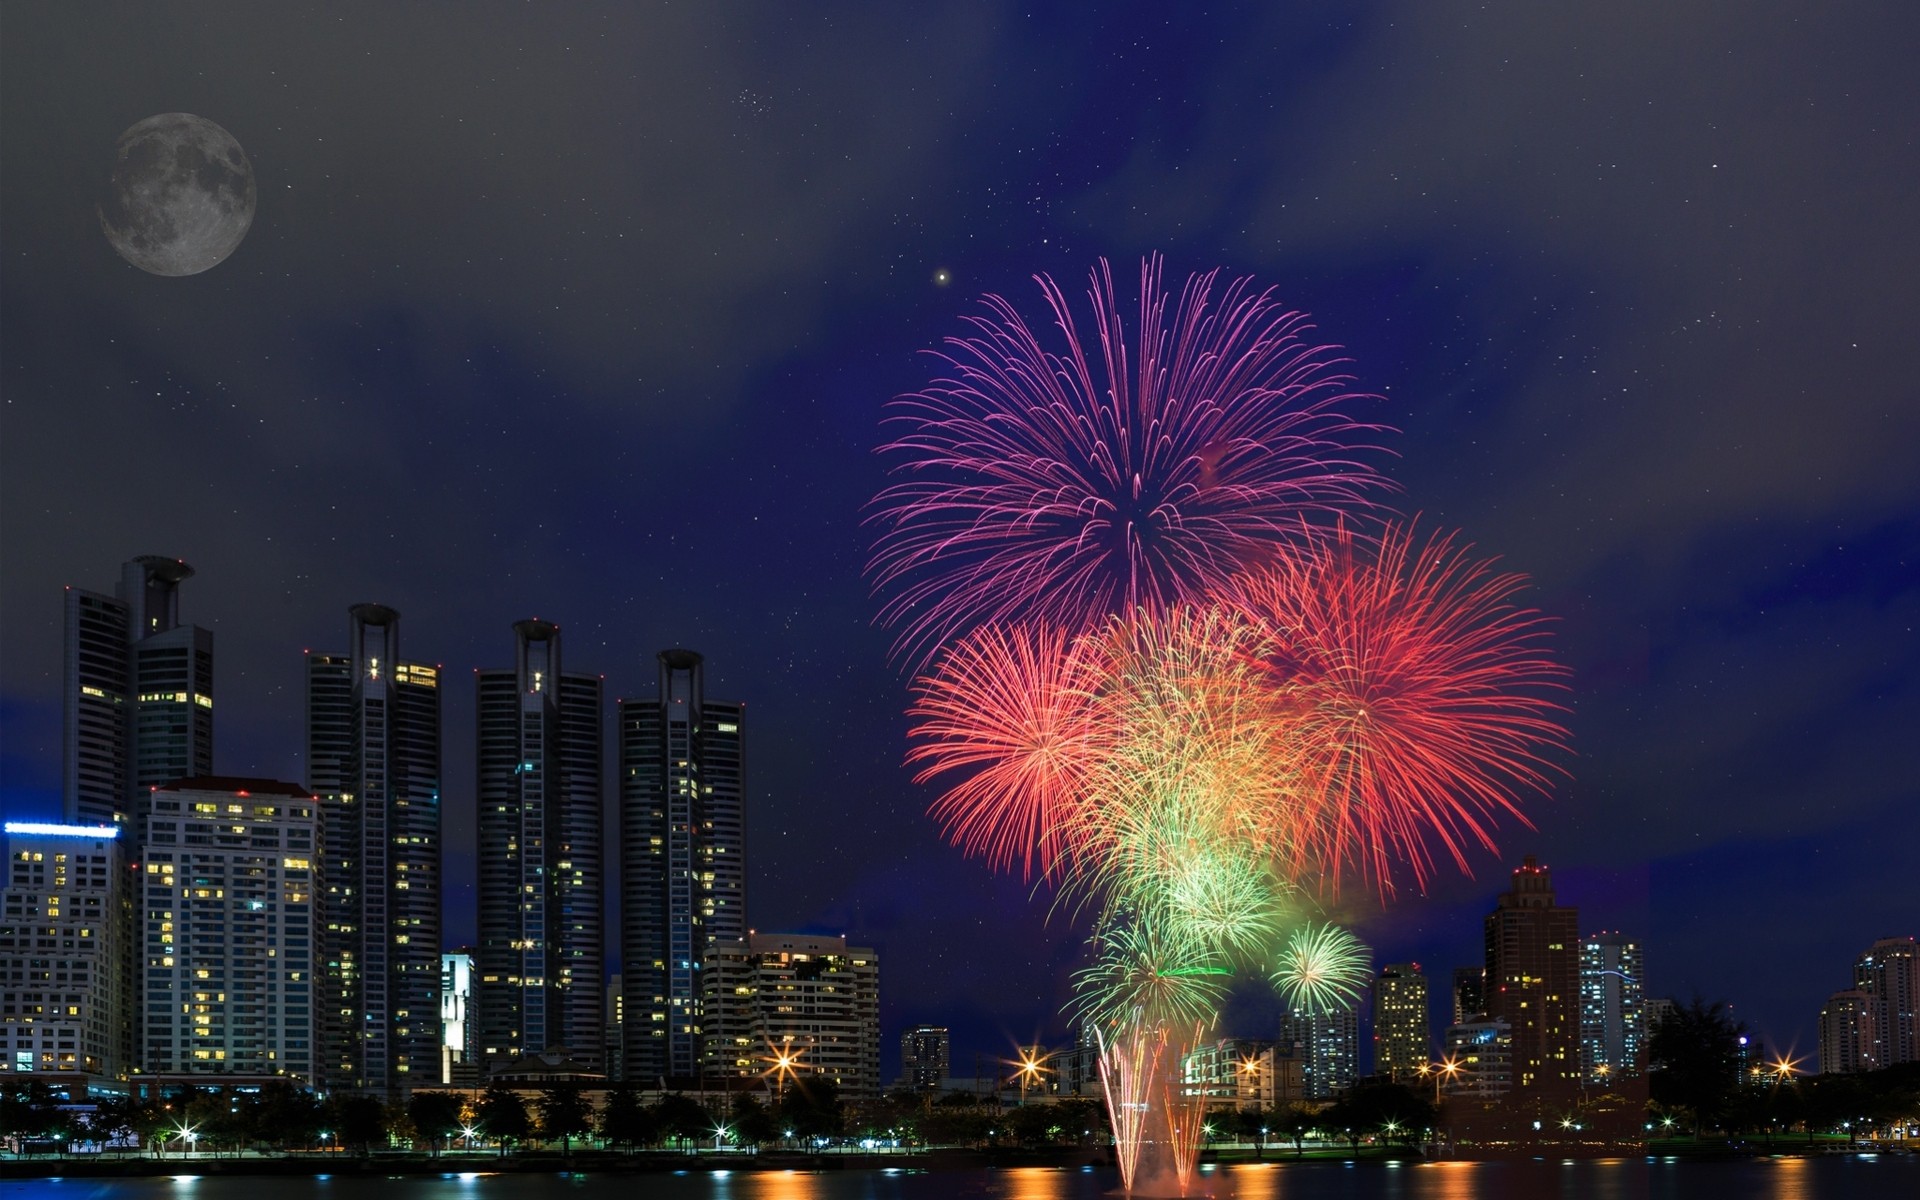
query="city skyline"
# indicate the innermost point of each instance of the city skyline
(1635, 316)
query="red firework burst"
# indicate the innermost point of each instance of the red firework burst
(1008, 710)
(1037, 485)
(1424, 692)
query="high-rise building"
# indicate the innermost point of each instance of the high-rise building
(1401, 1043)
(542, 937)
(373, 758)
(138, 694)
(228, 928)
(1613, 1032)
(1326, 1044)
(66, 954)
(459, 1028)
(1846, 1033)
(925, 1057)
(1482, 1051)
(1533, 978)
(1469, 993)
(793, 1006)
(1889, 972)
(682, 861)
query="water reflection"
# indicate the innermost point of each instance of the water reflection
(1790, 1179)
(1036, 1183)
(782, 1185)
(1256, 1181)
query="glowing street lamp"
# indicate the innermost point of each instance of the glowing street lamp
(785, 1062)
(1447, 1070)
(1030, 1069)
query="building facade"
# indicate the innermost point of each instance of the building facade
(459, 1021)
(925, 1057)
(1401, 1039)
(138, 694)
(1326, 1045)
(1469, 993)
(541, 956)
(66, 953)
(1236, 1071)
(1483, 1052)
(682, 862)
(1613, 1030)
(793, 1007)
(229, 930)
(1889, 973)
(373, 759)
(1846, 1033)
(1533, 979)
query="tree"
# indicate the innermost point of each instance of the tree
(503, 1114)
(435, 1116)
(1694, 1061)
(357, 1120)
(811, 1108)
(564, 1114)
(682, 1118)
(1294, 1122)
(623, 1121)
(751, 1121)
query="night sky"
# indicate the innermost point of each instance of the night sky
(589, 312)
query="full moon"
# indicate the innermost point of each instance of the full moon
(181, 197)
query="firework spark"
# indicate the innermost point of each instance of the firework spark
(1322, 969)
(1422, 698)
(1007, 712)
(1143, 973)
(1037, 485)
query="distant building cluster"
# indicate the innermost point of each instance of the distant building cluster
(180, 926)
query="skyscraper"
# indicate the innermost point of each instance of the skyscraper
(541, 956)
(1533, 978)
(1401, 1043)
(924, 1057)
(1889, 973)
(1613, 1031)
(138, 694)
(373, 758)
(682, 860)
(1327, 1044)
(66, 954)
(227, 928)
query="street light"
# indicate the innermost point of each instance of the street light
(1446, 1070)
(1030, 1069)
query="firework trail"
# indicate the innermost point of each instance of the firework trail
(1035, 484)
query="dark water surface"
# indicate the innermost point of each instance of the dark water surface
(1831, 1178)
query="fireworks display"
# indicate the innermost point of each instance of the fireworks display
(1035, 482)
(1162, 682)
(1323, 969)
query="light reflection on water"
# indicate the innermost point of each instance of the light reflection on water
(1834, 1178)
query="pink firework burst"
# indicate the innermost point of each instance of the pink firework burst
(1425, 696)
(1035, 483)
